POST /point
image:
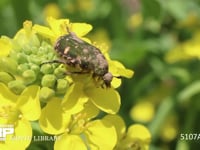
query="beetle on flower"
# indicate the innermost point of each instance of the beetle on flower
(82, 56)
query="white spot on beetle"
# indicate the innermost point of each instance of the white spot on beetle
(66, 50)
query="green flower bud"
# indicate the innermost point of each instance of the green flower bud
(50, 56)
(22, 58)
(27, 50)
(13, 55)
(34, 50)
(42, 51)
(35, 59)
(8, 65)
(22, 67)
(47, 69)
(59, 72)
(29, 76)
(48, 80)
(62, 86)
(46, 93)
(34, 40)
(45, 46)
(35, 68)
(16, 86)
(5, 77)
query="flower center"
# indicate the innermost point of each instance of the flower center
(9, 113)
(78, 124)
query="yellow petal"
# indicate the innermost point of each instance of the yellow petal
(117, 69)
(22, 135)
(138, 137)
(52, 9)
(90, 110)
(80, 29)
(3, 146)
(138, 131)
(177, 54)
(192, 49)
(53, 120)
(25, 31)
(116, 83)
(5, 46)
(86, 40)
(107, 100)
(44, 31)
(142, 111)
(25, 36)
(29, 103)
(74, 99)
(118, 123)
(96, 137)
(58, 26)
(27, 26)
(6, 96)
(7, 104)
(71, 142)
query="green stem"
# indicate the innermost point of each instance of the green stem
(163, 111)
(191, 116)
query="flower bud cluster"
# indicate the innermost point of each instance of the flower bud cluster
(24, 67)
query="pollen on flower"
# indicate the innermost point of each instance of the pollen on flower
(4, 110)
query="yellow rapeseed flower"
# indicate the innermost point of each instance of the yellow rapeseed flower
(70, 103)
(143, 111)
(186, 50)
(137, 137)
(52, 9)
(5, 46)
(18, 111)
(59, 27)
(74, 121)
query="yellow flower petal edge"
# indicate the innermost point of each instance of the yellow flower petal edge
(108, 100)
(81, 29)
(47, 120)
(45, 31)
(143, 111)
(138, 131)
(118, 69)
(22, 137)
(29, 103)
(74, 99)
(101, 135)
(71, 142)
(118, 123)
(5, 46)
(26, 30)
(90, 110)
(6, 95)
(59, 27)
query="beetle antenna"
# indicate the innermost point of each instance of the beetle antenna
(68, 30)
(119, 77)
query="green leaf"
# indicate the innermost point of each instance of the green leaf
(189, 91)
(151, 9)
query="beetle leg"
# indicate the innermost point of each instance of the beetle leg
(53, 61)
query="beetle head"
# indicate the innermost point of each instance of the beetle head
(107, 78)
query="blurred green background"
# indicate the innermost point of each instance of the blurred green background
(158, 39)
